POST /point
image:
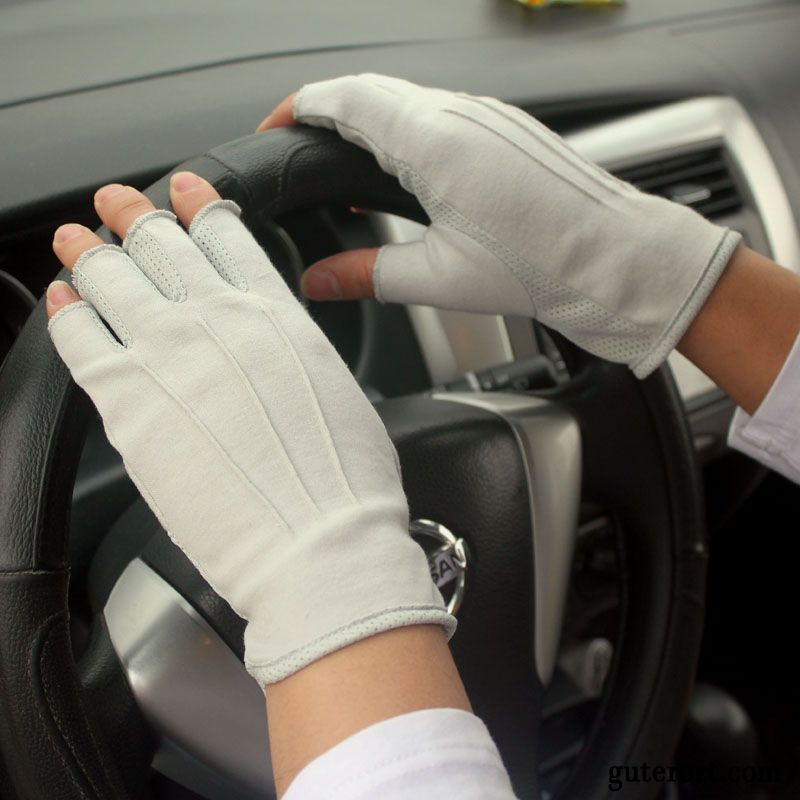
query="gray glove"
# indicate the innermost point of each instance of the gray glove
(248, 437)
(521, 224)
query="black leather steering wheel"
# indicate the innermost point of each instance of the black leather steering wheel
(72, 730)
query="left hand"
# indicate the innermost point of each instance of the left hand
(520, 223)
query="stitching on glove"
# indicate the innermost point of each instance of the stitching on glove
(96, 321)
(376, 275)
(372, 80)
(88, 291)
(384, 620)
(469, 118)
(315, 402)
(143, 219)
(189, 412)
(213, 248)
(201, 215)
(688, 309)
(153, 261)
(258, 403)
(296, 113)
(93, 251)
(554, 143)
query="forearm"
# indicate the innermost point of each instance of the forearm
(746, 328)
(396, 672)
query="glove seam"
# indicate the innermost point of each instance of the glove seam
(397, 617)
(77, 306)
(213, 205)
(376, 275)
(309, 387)
(142, 220)
(251, 391)
(691, 305)
(200, 222)
(190, 414)
(462, 115)
(83, 282)
(555, 144)
(133, 247)
(298, 99)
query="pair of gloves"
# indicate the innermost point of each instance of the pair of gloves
(244, 430)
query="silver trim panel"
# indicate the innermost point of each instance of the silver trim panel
(209, 715)
(550, 443)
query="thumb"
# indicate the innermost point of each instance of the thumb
(344, 276)
(395, 273)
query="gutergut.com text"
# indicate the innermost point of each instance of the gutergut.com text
(622, 774)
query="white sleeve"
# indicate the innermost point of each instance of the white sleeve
(427, 755)
(772, 434)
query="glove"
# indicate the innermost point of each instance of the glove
(523, 225)
(289, 499)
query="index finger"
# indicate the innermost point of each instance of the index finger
(281, 116)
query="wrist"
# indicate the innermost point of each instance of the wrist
(746, 328)
(355, 575)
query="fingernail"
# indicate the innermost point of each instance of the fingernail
(321, 285)
(104, 194)
(264, 123)
(185, 181)
(59, 293)
(66, 232)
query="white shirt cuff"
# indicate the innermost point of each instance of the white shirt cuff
(772, 434)
(427, 755)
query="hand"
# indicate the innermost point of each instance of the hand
(520, 224)
(240, 425)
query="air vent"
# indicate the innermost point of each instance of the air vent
(701, 180)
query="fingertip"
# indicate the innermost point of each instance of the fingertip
(280, 117)
(70, 230)
(344, 276)
(184, 181)
(189, 193)
(71, 240)
(59, 294)
(265, 123)
(320, 284)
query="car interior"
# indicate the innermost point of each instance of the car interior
(623, 580)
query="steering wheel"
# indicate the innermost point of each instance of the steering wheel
(505, 472)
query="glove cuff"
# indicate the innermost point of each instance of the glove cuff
(288, 663)
(691, 306)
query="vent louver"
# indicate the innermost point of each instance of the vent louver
(701, 180)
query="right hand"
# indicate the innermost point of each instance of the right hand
(520, 223)
(241, 426)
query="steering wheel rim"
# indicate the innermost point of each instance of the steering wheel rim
(53, 745)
